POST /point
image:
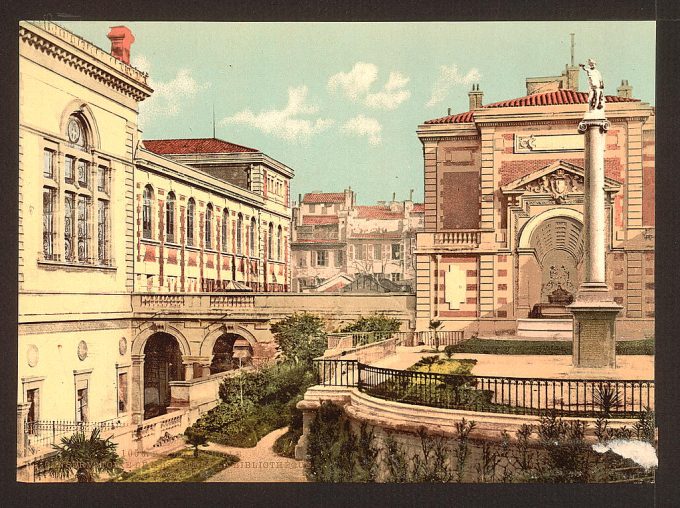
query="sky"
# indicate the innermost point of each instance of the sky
(340, 103)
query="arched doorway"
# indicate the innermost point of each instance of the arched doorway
(162, 364)
(556, 267)
(228, 349)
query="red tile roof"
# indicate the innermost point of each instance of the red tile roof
(555, 98)
(197, 145)
(324, 197)
(418, 208)
(319, 219)
(377, 212)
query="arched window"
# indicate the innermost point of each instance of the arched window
(191, 205)
(147, 198)
(170, 218)
(208, 226)
(77, 132)
(225, 230)
(253, 236)
(270, 239)
(239, 234)
(279, 243)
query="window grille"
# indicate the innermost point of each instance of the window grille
(83, 219)
(146, 212)
(48, 166)
(208, 227)
(170, 218)
(225, 230)
(83, 177)
(102, 232)
(69, 212)
(69, 169)
(48, 222)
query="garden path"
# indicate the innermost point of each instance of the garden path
(259, 464)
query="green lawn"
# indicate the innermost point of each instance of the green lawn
(181, 466)
(461, 367)
(526, 347)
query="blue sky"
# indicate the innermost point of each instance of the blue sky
(340, 102)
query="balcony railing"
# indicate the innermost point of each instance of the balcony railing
(494, 394)
(230, 301)
(470, 238)
(409, 338)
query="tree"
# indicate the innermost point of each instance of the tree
(434, 326)
(196, 438)
(374, 323)
(87, 457)
(301, 337)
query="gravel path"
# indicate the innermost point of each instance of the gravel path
(259, 464)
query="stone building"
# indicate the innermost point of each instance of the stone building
(503, 235)
(338, 245)
(212, 216)
(135, 293)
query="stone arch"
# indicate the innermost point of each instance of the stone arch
(148, 329)
(208, 343)
(82, 109)
(527, 231)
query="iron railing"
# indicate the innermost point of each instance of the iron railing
(494, 394)
(43, 434)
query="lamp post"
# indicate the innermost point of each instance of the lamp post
(241, 352)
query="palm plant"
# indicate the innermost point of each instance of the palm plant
(429, 361)
(87, 457)
(607, 398)
(434, 326)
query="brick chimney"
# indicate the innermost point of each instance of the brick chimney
(475, 97)
(121, 39)
(625, 90)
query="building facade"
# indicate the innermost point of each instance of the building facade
(212, 216)
(503, 235)
(139, 261)
(338, 244)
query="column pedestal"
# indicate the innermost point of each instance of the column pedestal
(594, 327)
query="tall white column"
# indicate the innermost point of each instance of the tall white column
(594, 309)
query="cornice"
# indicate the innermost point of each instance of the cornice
(128, 83)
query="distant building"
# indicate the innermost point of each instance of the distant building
(504, 210)
(337, 242)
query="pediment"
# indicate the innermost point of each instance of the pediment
(558, 180)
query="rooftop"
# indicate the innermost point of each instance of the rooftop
(377, 212)
(193, 145)
(554, 98)
(319, 220)
(324, 197)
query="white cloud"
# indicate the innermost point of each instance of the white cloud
(168, 97)
(392, 93)
(449, 77)
(356, 82)
(285, 123)
(356, 85)
(364, 126)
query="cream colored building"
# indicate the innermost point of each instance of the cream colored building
(78, 128)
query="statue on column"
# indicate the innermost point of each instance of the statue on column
(595, 86)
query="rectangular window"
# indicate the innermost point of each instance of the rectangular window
(83, 228)
(122, 392)
(102, 232)
(377, 251)
(361, 251)
(396, 251)
(339, 258)
(48, 165)
(302, 260)
(322, 258)
(396, 277)
(69, 169)
(81, 405)
(69, 219)
(312, 208)
(83, 179)
(49, 195)
(102, 179)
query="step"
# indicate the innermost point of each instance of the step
(545, 329)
